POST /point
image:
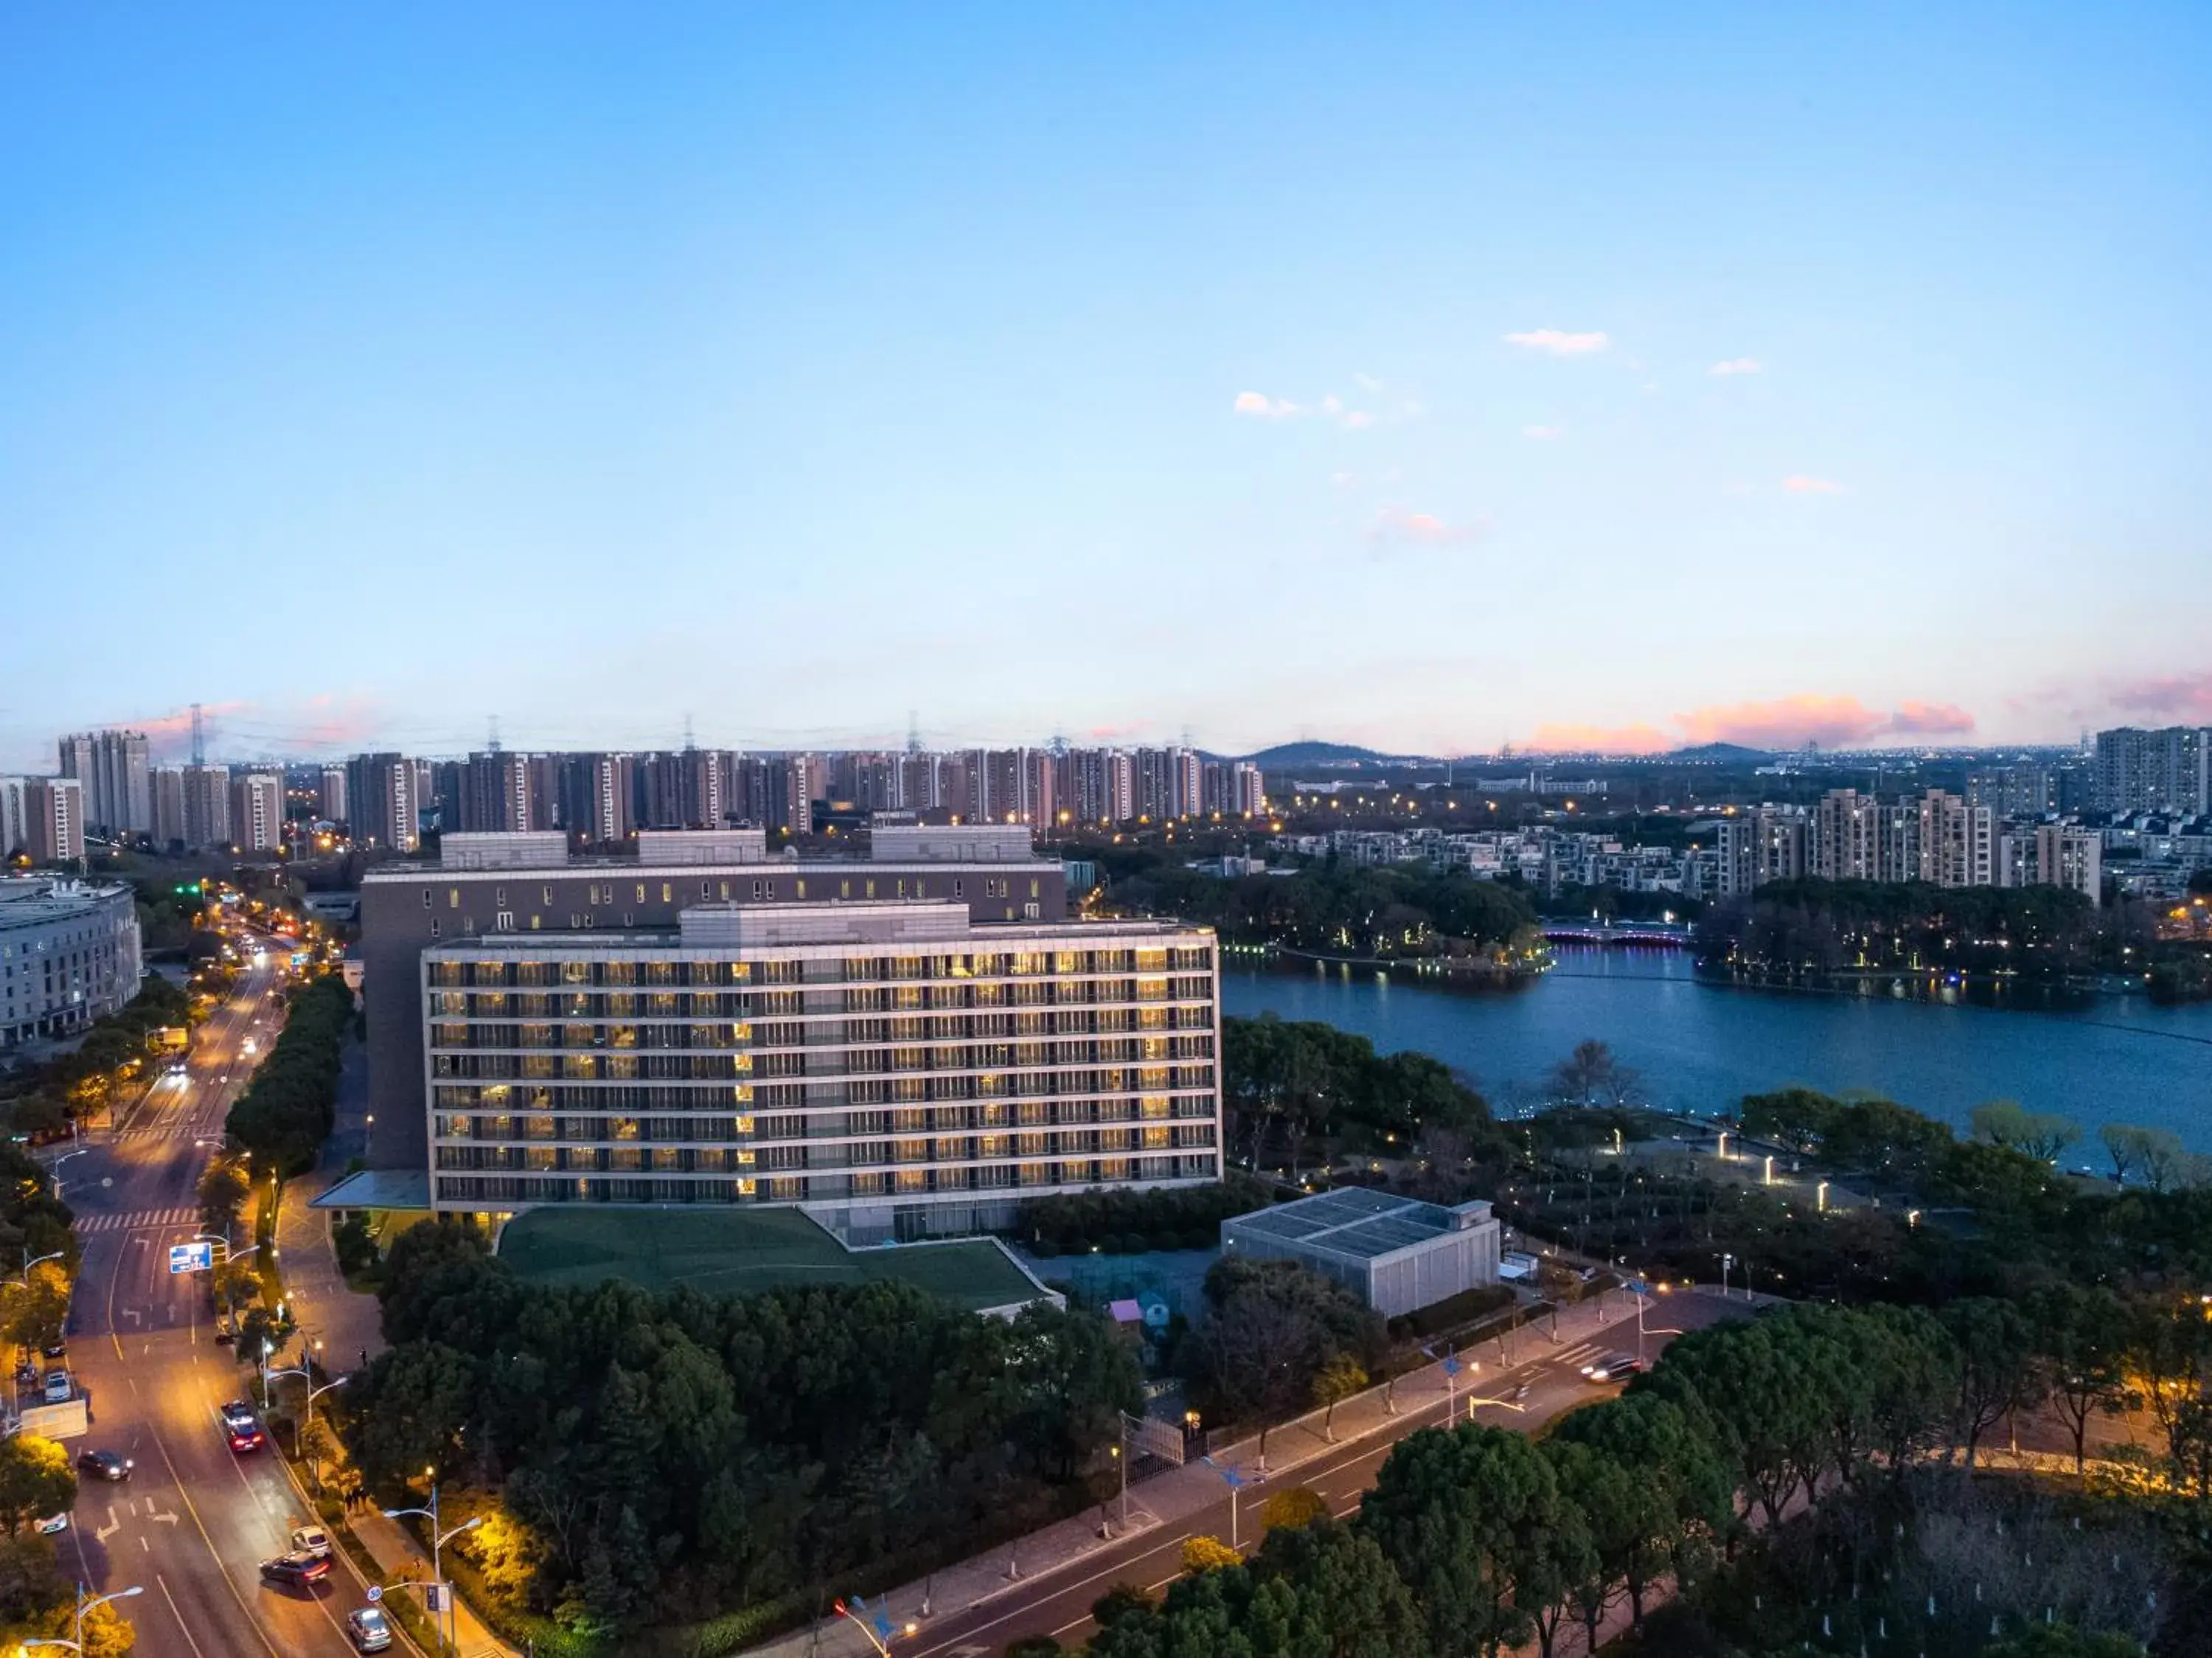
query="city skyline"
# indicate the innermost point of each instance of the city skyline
(1421, 385)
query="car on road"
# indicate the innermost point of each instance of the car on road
(367, 1628)
(57, 1387)
(52, 1523)
(312, 1540)
(110, 1466)
(1613, 1367)
(242, 1426)
(295, 1570)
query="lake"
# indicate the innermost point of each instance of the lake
(1699, 1047)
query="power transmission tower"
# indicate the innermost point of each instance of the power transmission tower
(492, 743)
(199, 740)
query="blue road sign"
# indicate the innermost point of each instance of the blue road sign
(192, 1257)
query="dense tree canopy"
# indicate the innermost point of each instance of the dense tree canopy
(286, 1111)
(674, 1455)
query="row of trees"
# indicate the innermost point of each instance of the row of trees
(287, 1111)
(1867, 1136)
(1156, 1218)
(1475, 1540)
(42, 1100)
(1285, 1082)
(667, 1457)
(1392, 912)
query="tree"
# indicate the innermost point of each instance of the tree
(2064, 1641)
(1591, 1075)
(1454, 1510)
(1684, 1502)
(1340, 1378)
(1996, 1366)
(223, 1190)
(1201, 1554)
(1293, 1506)
(2156, 1153)
(2081, 1335)
(2032, 1134)
(36, 1480)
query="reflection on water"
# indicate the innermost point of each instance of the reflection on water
(1700, 1046)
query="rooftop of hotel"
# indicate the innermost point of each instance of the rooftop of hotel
(528, 852)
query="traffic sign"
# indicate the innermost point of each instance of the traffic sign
(375, 1592)
(198, 1257)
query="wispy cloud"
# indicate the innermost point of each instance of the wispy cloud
(1557, 342)
(1799, 483)
(1544, 434)
(1261, 407)
(2187, 696)
(1394, 528)
(1787, 722)
(1736, 365)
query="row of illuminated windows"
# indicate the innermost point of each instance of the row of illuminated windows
(450, 970)
(1153, 1110)
(503, 1191)
(1060, 990)
(1009, 1150)
(488, 1030)
(760, 889)
(881, 1064)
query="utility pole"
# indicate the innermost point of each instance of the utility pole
(199, 740)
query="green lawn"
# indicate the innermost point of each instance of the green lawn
(739, 1251)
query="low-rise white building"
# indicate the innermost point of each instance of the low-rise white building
(1397, 1254)
(69, 955)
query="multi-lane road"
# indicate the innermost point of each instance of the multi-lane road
(195, 1520)
(1058, 1603)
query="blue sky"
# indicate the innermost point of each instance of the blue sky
(368, 372)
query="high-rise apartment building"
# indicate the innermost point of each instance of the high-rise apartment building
(53, 820)
(330, 794)
(1847, 838)
(15, 834)
(113, 768)
(2166, 770)
(2070, 857)
(385, 797)
(1953, 844)
(257, 811)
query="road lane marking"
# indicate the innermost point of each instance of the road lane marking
(182, 1627)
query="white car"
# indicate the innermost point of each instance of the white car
(367, 1629)
(312, 1540)
(58, 1387)
(52, 1523)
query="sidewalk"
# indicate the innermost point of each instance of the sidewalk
(350, 1328)
(1169, 1498)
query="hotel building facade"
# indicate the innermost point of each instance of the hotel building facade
(907, 1044)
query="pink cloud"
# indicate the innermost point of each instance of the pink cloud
(1785, 724)
(1930, 719)
(1393, 528)
(1798, 484)
(2188, 696)
(1557, 342)
(1260, 406)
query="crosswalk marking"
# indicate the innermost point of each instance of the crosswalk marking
(168, 1131)
(133, 1220)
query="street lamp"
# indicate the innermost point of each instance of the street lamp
(84, 1606)
(438, 1541)
(23, 1278)
(55, 1165)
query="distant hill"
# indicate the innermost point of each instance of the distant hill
(1290, 755)
(1725, 753)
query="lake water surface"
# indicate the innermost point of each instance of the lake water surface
(1701, 1047)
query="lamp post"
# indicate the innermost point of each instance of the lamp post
(307, 1375)
(84, 1606)
(438, 1542)
(53, 1167)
